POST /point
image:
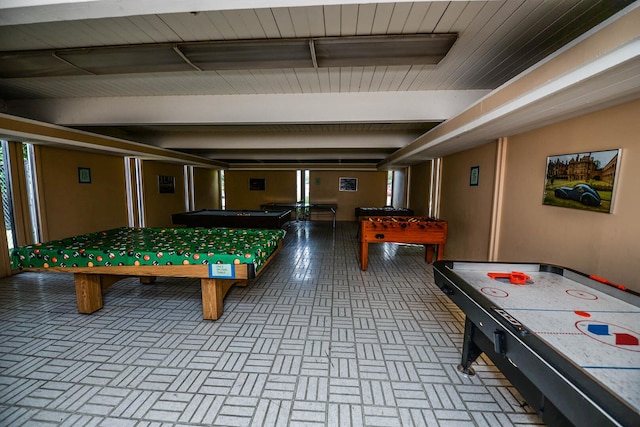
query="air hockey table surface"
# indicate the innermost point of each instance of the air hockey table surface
(591, 327)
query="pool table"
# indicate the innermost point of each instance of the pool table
(233, 218)
(402, 229)
(569, 342)
(219, 257)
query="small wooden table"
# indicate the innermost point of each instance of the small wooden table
(407, 229)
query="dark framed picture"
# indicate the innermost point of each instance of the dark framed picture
(257, 184)
(166, 184)
(474, 176)
(348, 184)
(584, 180)
(84, 175)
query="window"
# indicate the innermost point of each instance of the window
(302, 189)
(135, 196)
(389, 188)
(7, 204)
(223, 203)
(189, 189)
(306, 186)
(28, 154)
(25, 155)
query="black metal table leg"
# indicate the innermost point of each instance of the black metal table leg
(470, 351)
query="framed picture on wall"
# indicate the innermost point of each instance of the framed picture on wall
(257, 184)
(584, 180)
(84, 175)
(166, 184)
(474, 176)
(348, 184)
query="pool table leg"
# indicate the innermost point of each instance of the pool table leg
(88, 292)
(213, 292)
(212, 299)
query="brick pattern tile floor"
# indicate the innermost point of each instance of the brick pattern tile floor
(313, 341)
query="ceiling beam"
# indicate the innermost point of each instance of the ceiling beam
(282, 140)
(31, 131)
(351, 167)
(372, 107)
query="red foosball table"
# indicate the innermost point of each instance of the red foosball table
(402, 229)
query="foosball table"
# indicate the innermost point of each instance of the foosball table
(402, 229)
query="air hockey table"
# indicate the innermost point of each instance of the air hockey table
(567, 341)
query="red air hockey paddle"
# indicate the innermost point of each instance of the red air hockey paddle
(515, 277)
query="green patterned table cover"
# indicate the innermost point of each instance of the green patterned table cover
(152, 246)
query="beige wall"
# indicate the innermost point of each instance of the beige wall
(70, 208)
(206, 186)
(467, 208)
(607, 245)
(160, 207)
(324, 188)
(602, 244)
(280, 187)
(419, 184)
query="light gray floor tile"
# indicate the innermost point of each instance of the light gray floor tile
(312, 341)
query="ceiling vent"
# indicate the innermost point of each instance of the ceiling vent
(415, 49)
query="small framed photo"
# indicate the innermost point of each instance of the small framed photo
(348, 184)
(474, 176)
(257, 184)
(84, 175)
(166, 184)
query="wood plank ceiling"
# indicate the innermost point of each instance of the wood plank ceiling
(497, 40)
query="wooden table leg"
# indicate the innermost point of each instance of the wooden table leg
(364, 255)
(88, 292)
(212, 299)
(429, 253)
(213, 292)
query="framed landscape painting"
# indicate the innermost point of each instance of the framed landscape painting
(348, 184)
(584, 180)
